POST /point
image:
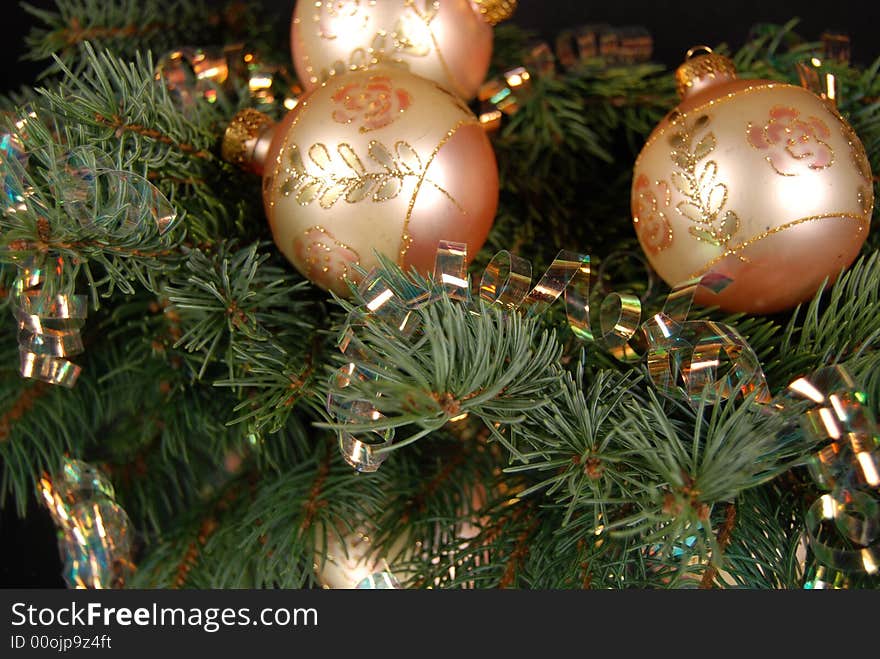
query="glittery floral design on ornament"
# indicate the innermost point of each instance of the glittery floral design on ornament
(327, 261)
(793, 144)
(374, 104)
(696, 178)
(649, 209)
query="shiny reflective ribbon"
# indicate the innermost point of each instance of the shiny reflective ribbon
(691, 352)
(13, 160)
(379, 581)
(610, 45)
(193, 73)
(679, 350)
(385, 307)
(359, 451)
(843, 526)
(823, 578)
(816, 77)
(598, 44)
(48, 329)
(836, 46)
(503, 95)
(94, 533)
(102, 199)
(604, 45)
(706, 360)
(106, 199)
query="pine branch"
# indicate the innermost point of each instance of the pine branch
(126, 26)
(492, 365)
(838, 324)
(233, 296)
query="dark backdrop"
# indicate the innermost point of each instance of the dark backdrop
(676, 26)
(28, 554)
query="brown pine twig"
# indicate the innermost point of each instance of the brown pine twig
(518, 556)
(118, 124)
(206, 529)
(313, 504)
(75, 33)
(724, 537)
(21, 406)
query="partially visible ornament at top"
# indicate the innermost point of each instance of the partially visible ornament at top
(449, 42)
(762, 182)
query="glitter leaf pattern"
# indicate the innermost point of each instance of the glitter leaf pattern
(333, 176)
(696, 178)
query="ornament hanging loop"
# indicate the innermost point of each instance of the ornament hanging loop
(693, 52)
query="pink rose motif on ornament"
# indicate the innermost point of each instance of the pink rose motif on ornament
(649, 208)
(792, 142)
(327, 262)
(375, 104)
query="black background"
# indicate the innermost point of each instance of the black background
(675, 26)
(28, 552)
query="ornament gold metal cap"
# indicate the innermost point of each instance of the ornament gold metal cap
(495, 11)
(703, 67)
(246, 139)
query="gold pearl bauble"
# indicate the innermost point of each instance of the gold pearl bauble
(449, 42)
(348, 559)
(378, 161)
(762, 182)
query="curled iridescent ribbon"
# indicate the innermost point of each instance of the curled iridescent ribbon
(194, 73)
(679, 351)
(692, 352)
(104, 201)
(359, 451)
(591, 45)
(503, 96)
(94, 532)
(843, 526)
(682, 355)
(48, 329)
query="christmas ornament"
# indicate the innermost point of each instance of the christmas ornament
(377, 161)
(449, 42)
(94, 533)
(761, 182)
(349, 560)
